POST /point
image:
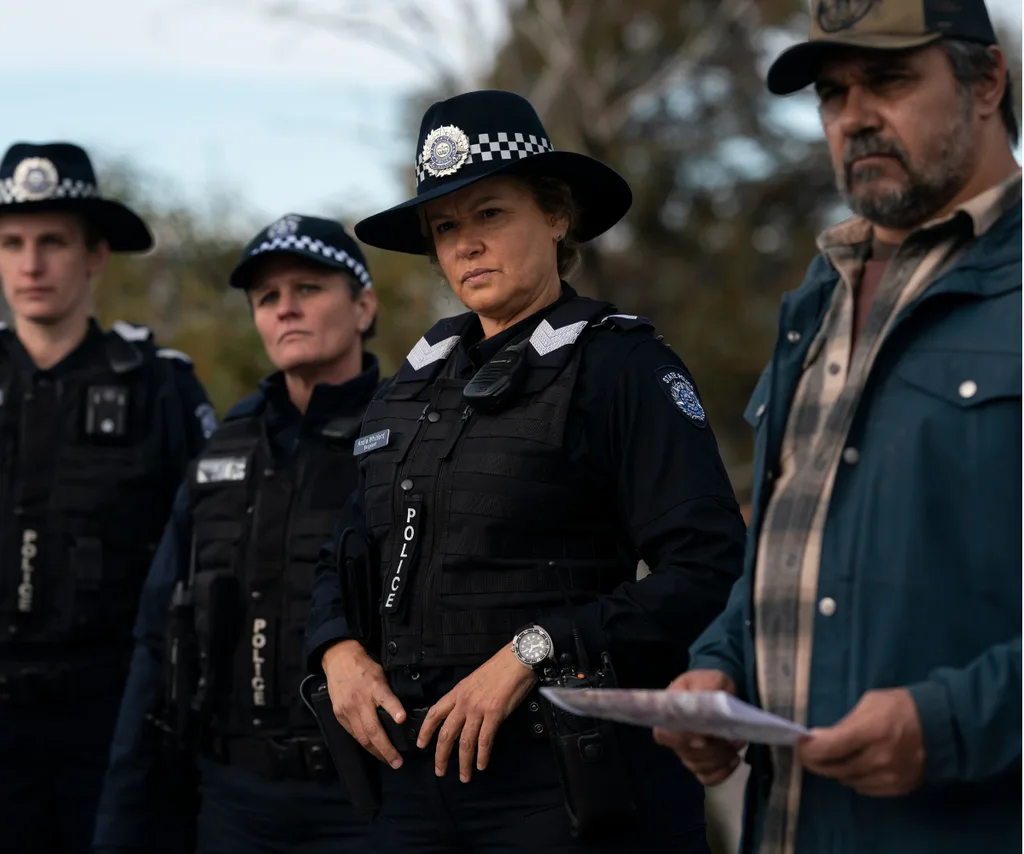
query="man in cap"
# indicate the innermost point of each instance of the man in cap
(231, 579)
(881, 600)
(96, 430)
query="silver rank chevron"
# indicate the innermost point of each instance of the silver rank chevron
(546, 339)
(424, 354)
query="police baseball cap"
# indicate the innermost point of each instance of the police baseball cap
(877, 25)
(323, 241)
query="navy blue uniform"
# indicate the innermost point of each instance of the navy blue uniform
(91, 452)
(635, 438)
(240, 809)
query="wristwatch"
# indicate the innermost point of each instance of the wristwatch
(533, 647)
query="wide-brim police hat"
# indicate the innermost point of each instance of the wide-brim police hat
(59, 176)
(484, 134)
(311, 238)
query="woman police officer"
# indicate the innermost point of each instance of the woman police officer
(239, 555)
(526, 455)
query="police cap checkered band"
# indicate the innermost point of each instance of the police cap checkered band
(313, 238)
(59, 176)
(877, 25)
(491, 133)
(492, 146)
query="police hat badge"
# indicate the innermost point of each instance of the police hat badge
(283, 227)
(444, 150)
(35, 179)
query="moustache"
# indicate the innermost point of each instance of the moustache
(866, 146)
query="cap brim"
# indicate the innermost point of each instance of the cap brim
(121, 227)
(798, 66)
(600, 193)
(241, 276)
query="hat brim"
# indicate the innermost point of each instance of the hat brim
(600, 193)
(798, 66)
(241, 276)
(121, 227)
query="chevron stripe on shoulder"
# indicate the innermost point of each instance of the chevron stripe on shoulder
(546, 339)
(170, 353)
(423, 354)
(132, 331)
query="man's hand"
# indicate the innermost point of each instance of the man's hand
(357, 686)
(710, 760)
(876, 750)
(473, 710)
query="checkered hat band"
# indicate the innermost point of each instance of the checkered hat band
(495, 146)
(309, 244)
(69, 188)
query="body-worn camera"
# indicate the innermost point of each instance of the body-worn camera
(595, 783)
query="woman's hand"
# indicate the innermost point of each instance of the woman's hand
(473, 710)
(357, 686)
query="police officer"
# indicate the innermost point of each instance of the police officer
(96, 430)
(527, 454)
(237, 564)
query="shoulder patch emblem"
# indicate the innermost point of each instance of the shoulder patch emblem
(207, 418)
(679, 389)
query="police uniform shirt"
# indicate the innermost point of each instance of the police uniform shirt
(675, 502)
(127, 807)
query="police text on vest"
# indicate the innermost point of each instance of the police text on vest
(259, 643)
(29, 550)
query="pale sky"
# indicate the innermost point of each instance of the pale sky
(215, 94)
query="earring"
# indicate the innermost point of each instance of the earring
(558, 237)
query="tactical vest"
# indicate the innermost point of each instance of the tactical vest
(84, 499)
(478, 522)
(262, 523)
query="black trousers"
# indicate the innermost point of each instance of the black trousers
(53, 757)
(242, 813)
(516, 805)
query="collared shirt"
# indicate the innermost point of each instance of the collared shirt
(835, 373)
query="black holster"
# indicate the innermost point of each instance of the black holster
(181, 676)
(591, 770)
(357, 769)
(359, 592)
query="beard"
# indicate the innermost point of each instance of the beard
(925, 188)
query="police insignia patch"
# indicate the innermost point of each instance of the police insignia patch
(207, 418)
(444, 151)
(284, 226)
(679, 389)
(35, 179)
(837, 15)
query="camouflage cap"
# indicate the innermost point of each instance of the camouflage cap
(877, 25)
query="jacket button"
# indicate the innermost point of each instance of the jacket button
(434, 417)
(406, 485)
(851, 456)
(268, 472)
(793, 337)
(827, 606)
(392, 647)
(256, 594)
(760, 411)
(256, 722)
(968, 388)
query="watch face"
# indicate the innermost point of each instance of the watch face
(533, 647)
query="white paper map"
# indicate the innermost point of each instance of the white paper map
(713, 713)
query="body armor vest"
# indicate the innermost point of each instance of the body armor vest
(478, 522)
(84, 499)
(261, 523)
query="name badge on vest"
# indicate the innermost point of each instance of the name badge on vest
(371, 442)
(221, 469)
(402, 564)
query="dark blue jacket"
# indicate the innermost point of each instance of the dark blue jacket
(921, 553)
(129, 811)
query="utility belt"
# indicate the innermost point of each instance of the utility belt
(31, 686)
(295, 758)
